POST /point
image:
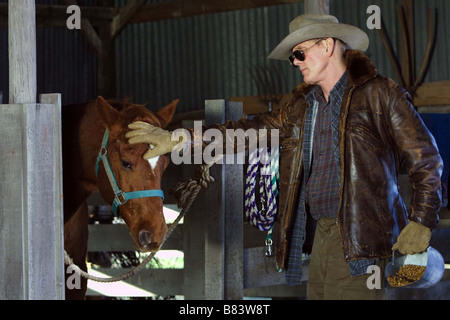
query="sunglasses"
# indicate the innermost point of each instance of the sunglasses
(300, 54)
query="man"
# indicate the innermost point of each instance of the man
(343, 135)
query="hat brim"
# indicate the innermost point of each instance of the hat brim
(353, 36)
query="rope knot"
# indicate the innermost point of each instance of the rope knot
(183, 192)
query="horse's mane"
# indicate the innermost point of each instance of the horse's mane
(133, 116)
(120, 105)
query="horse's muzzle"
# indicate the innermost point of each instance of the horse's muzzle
(146, 243)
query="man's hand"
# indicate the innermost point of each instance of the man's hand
(414, 238)
(159, 140)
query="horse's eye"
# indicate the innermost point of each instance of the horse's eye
(125, 164)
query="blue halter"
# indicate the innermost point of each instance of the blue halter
(120, 196)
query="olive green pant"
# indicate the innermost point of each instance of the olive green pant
(329, 273)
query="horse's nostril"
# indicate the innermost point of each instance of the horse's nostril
(144, 238)
(148, 242)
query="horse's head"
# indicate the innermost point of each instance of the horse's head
(143, 216)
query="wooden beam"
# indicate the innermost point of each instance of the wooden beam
(125, 15)
(433, 94)
(56, 16)
(162, 282)
(409, 10)
(92, 36)
(189, 8)
(116, 237)
(254, 104)
(261, 271)
(409, 56)
(106, 77)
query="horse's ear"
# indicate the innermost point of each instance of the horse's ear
(108, 114)
(165, 114)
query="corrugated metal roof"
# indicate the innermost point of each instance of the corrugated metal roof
(199, 58)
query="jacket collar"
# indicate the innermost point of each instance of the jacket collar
(359, 68)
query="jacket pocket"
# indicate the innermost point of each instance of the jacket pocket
(367, 136)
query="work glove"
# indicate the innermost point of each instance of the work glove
(414, 238)
(160, 141)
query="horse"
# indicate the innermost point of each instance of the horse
(93, 139)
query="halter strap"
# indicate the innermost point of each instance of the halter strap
(120, 197)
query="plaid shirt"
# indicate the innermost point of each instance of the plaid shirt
(322, 188)
(329, 202)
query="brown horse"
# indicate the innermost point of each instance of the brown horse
(84, 128)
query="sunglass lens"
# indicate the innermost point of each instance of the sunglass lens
(297, 54)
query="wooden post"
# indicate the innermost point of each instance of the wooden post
(107, 58)
(31, 260)
(224, 275)
(317, 7)
(213, 230)
(22, 51)
(106, 64)
(57, 226)
(195, 225)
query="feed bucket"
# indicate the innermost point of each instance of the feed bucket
(431, 259)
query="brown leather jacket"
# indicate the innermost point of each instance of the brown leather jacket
(378, 128)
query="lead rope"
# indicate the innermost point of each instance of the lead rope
(268, 166)
(185, 193)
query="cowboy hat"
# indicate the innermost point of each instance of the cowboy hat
(313, 26)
